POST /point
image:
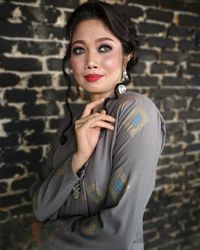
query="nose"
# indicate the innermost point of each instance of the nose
(91, 61)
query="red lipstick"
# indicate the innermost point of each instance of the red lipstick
(93, 77)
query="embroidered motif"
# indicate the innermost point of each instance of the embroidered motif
(51, 228)
(117, 185)
(95, 193)
(135, 121)
(90, 225)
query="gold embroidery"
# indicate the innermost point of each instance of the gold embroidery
(95, 193)
(90, 225)
(117, 185)
(135, 121)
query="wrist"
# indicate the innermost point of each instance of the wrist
(77, 162)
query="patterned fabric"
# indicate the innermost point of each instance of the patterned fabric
(135, 121)
(90, 225)
(117, 185)
(95, 193)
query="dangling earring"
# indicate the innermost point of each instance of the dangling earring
(124, 76)
(79, 91)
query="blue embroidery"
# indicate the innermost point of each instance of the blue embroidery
(118, 186)
(137, 120)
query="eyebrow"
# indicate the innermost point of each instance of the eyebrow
(97, 40)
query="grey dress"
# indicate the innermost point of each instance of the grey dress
(115, 184)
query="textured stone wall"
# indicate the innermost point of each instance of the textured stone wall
(32, 96)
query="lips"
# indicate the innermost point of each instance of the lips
(93, 77)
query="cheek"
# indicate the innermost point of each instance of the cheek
(75, 65)
(113, 61)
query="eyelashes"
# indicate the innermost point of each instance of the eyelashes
(104, 48)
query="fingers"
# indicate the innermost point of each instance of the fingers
(94, 120)
(90, 106)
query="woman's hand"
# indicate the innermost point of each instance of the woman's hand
(87, 130)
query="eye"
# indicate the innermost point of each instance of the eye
(78, 51)
(105, 48)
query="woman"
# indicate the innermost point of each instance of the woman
(100, 172)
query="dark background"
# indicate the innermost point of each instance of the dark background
(32, 96)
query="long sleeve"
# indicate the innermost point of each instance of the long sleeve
(50, 192)
(137, 147)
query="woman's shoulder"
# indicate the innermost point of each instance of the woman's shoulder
(131, 100)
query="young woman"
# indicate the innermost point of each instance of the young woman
(100, 171)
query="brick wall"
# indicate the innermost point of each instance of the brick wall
(32, 95)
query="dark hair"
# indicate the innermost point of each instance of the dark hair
(116, 22)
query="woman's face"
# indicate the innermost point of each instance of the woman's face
(96, 58)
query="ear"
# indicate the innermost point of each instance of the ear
(126, 59)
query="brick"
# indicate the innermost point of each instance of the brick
(3, 216)
(62, 3)
(54, 95)
(194, 7)
(172, 150)
(20, 64)
(9, 141)
(10, 171)
(160, 68)
(48, 31)
(6, 10)
(173, 56)
(15, 29)
(3, 187)
(9, 80)
(174, 127)
(172, 4)
(160, 42)
(43, 14)
(131, 11)
(20, 95)
(5, 46)
(177, 81)
(147, 55)
(39, 48)
(25, 1)
(23, 125)
(187, 92)
(170, 104)
(159, 15)
(41, 109)
(186, 45)
(21, 210)
(193, 147)
(194, 58)
(54, 123)
(54, 64)
(38, 139)
(144, 2)
(189, 114)
(191, 70)
(150, 28)
(168, 115)
(195, 104)
(145, 81)
(179, 31)
(11, 200)
(23, 183)
(139, 68)
(39, 80)
(163, 93)
(8, 112)
(19, 156)
(193, 126)
(187, 20)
